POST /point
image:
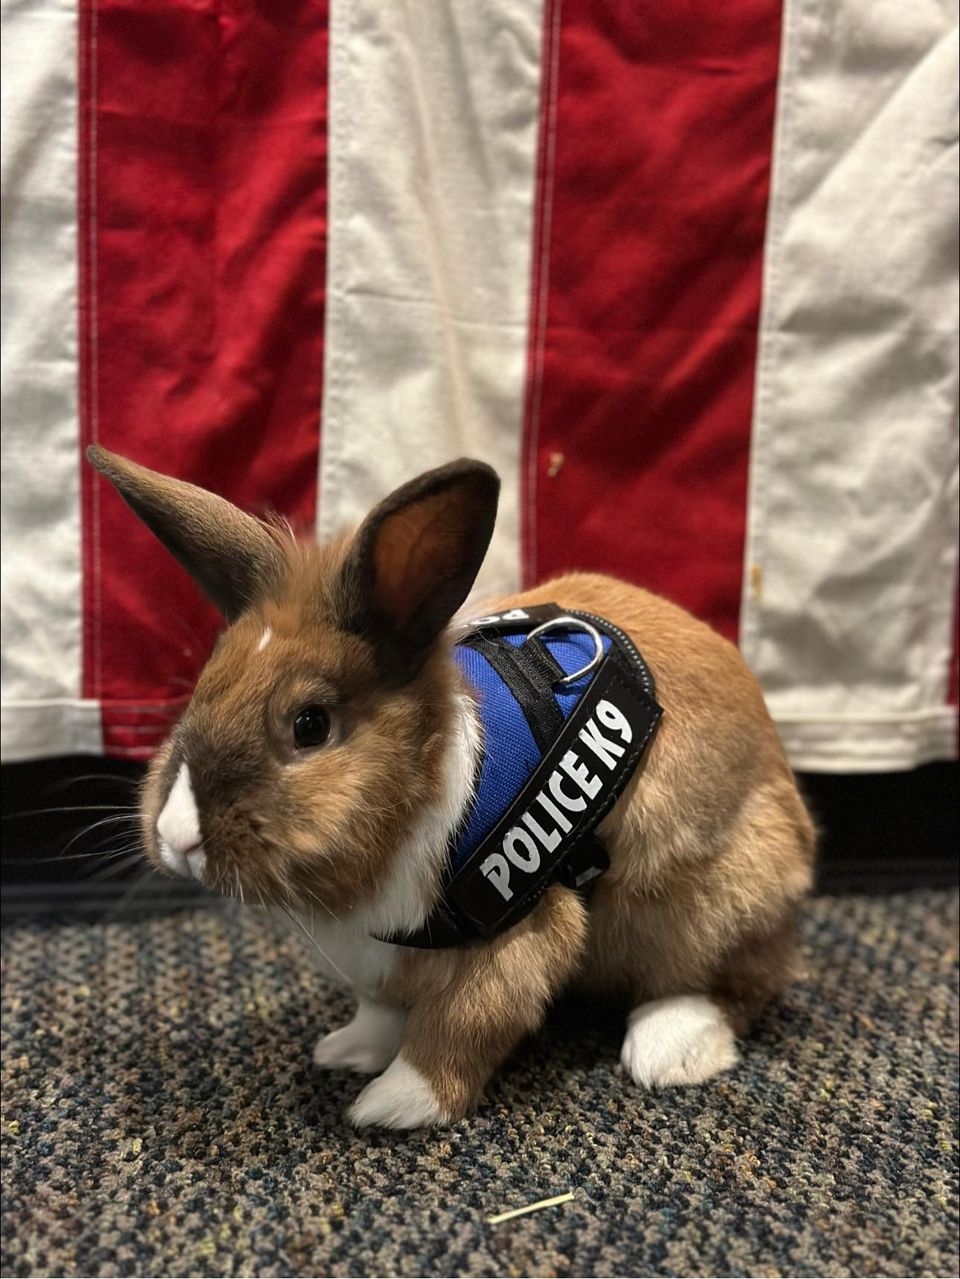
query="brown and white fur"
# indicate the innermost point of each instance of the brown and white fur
(711, 847)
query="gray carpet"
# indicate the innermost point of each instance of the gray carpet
(160, 1116)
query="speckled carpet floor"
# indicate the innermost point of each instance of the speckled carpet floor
(161, 1117)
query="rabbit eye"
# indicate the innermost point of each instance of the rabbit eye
(311, 727)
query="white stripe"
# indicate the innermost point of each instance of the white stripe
(433, 132)
(42, 611)
(37, 729)
(852, 534)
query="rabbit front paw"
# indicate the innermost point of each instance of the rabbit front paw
(399, 1098)
(367, 1044)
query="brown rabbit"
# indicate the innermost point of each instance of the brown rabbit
(329, 752)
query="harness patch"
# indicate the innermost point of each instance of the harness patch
(568, 708)
(567, 796)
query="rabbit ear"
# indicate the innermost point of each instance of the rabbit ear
(231, 556)
(415, 557)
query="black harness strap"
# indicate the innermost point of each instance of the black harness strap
(530, 672)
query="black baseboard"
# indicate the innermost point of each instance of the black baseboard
(887, 831)
(71, 844)
(878, 833)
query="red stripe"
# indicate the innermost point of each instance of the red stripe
(655, 163)
(89, 487)
(203, 233)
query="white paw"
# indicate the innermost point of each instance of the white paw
(399, 1098)
(682, 1040)
(367, 1044)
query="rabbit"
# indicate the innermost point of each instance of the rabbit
(328, 752)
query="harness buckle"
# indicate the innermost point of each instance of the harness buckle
(565, 622)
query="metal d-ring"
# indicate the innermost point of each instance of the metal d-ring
(578, 624)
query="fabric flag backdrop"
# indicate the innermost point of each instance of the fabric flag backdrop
(685, 274)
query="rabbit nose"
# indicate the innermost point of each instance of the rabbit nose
(189, 862)
(178, 830)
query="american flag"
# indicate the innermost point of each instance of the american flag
(684, 273)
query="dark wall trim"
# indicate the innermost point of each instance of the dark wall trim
(879, 833)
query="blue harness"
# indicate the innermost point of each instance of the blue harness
(567, 708)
